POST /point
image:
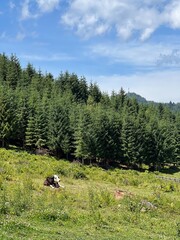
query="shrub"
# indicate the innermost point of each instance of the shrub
(168, 187)
(52, 214)
(100, 199)
(79, 175)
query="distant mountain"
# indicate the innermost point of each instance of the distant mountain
(140, 99)
(137, 97)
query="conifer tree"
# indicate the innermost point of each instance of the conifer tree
(95, 92)
(7, 114)
(3, 68)
(105, 141)
(177, 142)
(31, 133)
(21, 116)
(84, 136)
(13, 72)
(41, 126)
(59, 134)
(129, 142)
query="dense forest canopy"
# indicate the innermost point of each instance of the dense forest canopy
(74, 119)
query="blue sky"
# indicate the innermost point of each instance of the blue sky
(134, 44)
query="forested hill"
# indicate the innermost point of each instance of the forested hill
(173, 106)
(139, 98)
(74, 119)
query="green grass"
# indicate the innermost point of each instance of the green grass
(86, 208)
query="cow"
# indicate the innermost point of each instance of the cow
(53, 182)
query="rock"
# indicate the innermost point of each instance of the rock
(148, 205)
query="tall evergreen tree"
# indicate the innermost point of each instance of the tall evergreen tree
(95, 92)
(7, 114)
(13, 72)
(85, 136)
(59, 134)
(31, 133)
(3, 68)
(21, 116)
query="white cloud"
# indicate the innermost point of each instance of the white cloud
(146, 33)
(35, 8)
(20, 36)
(3, 35)
(172, 14)
(157, 86)
(12, 5)
(126, 16)
(47, 5)
(25, 13)
(144, 55)
(48, 58)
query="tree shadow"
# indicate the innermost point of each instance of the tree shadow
(171, 170)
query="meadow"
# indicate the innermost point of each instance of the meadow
(86, 208)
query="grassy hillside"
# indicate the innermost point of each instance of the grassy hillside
(86, 208)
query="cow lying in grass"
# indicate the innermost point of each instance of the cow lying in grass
(53, 182)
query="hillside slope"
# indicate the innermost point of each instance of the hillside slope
(171, 105)
(87, 207)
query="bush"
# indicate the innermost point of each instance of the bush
(73, 170)
(79, 175)
(100, 199)
(168, 187)
(53, 215)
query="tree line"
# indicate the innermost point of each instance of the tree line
(75, 120)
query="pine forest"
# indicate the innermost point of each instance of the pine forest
(70, 118)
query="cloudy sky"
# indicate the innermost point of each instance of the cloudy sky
(134, 44)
